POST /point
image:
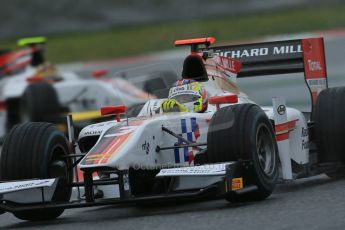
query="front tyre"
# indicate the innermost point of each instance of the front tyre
(37, 150)
(244, 132)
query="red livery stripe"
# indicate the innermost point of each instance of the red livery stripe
(282, 137)
(282, 127)
(2, 106)
(282, 130)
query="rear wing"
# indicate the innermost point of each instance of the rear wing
(14, 62)
(292, 56)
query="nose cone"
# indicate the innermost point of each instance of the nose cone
(117, 145)
(108, 146)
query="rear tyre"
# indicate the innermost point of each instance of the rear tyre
(39, 103)
(329, 128)
(36, 150)
(244, 132)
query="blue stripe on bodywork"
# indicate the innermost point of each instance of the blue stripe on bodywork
(190, 137)
(186, 154)
(193, 122)
(177, 155)
(183, 126)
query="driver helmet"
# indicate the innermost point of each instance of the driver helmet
(191, 94)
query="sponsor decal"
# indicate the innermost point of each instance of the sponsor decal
(305, 144)
(317, 82)
(93, 132)
(22, 185)
(305, 132)
(245, 53)
(314, 65)
(191, 88)
(281, 109)
(146, 147)
(261, 51)
(228, 64)
(277, 50)
(203, 170)
(313, 58)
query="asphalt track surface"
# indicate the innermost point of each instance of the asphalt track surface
(313, 203)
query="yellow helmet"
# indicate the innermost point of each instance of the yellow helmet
(190, 93)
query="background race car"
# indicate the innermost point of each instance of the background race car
(32, 89)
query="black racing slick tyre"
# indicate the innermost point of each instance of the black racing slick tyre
(244, 132)
(329, 129)
(39, 103)
(37, 150)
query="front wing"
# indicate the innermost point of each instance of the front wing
(216, 179)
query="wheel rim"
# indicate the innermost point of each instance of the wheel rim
(58, 168)
(265, 150)
(57, 152)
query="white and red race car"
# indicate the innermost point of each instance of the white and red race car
(236, 148)
(33, 90)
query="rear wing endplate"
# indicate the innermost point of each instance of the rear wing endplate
(281, 57)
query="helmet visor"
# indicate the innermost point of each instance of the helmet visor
(186, 98)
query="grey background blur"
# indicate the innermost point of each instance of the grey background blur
(33, 17)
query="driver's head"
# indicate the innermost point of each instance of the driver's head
(191, 94)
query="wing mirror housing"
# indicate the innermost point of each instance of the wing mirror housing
(99, 73)
(34, 79)
(224, 99)
(114, 110)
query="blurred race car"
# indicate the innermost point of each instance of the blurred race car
(236, 148)
(31, 89)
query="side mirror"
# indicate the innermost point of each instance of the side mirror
(99, 73)
(35, 78)
(114, 110)
(224, 99)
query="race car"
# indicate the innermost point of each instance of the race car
(32, 89)
(235, 149)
